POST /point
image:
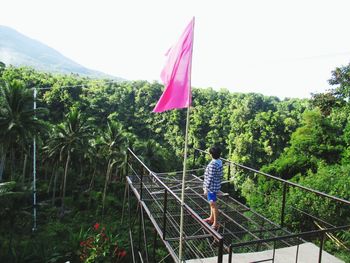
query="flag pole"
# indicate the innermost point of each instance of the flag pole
(183, 187)
(185, 160)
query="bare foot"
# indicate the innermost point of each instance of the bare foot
(208, 220)
(215, 226)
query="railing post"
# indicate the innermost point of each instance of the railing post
(155, 245)
(227, 186)
(129, 209)
(260, 236)
(230, 254)
(194, 158)
(321, 247)
(141, 183)
(297, 254)
(220, 252)
(229, 172)
(127, 162)
(144, 234)
(140, 225)
(164, 211)
(283, 203)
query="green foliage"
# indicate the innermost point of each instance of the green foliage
(82, 161)
(100, 245)
(333, 180)
(261, 128)
(5, 188)
(154, 156)
(326, 102)
(68, 138)
(17, 122)
(341, 78)
(57, 239)
(316, 141)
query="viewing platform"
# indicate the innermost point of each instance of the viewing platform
(243, 235)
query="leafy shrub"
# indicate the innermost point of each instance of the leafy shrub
(99, 245)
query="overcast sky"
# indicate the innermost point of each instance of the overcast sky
(280, 48)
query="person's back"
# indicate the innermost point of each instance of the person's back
(213, 176)
(212, 184)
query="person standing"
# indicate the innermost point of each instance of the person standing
(212, 184)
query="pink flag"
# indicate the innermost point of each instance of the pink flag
(176, 74)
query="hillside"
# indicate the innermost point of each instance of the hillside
(19, 50)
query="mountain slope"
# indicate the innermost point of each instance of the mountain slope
(19, 50)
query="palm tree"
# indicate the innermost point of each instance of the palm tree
(114, 144)
(68, 137)
(52, 159)
(152, 154)
(94, 158)
(18, 124)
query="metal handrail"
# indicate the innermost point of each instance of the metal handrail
(283, 181)
(321, 233)
(297, 235)
(210, 230)
(301, 235)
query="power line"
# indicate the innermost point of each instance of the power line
(78, 85)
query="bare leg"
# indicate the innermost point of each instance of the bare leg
(210, 219)
(215, 213)
(211, 213)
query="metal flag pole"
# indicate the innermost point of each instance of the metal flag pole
(34, 169)
(184, 164)
(183, 187)
(34, 161)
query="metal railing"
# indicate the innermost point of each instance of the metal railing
(299, 236)
(285, 186)
(143, 181)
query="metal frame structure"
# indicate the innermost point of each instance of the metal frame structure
(161, 202)
(241, 228)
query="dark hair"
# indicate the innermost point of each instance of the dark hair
(215, 152)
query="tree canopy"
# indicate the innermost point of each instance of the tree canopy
(83, 127)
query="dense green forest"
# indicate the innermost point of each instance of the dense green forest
(84, 126)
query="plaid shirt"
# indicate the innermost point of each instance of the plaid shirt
(213, 175)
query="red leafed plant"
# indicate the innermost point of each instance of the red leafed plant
(98, 245)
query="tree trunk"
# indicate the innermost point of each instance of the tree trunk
(91, 185)
(123, 169)
(2, 165)
(46, 170)
(24, 167)
(81, 167)
(61, 186)
(65, 183)
(92, 178)
(109, 167)
(116, 173)
(51, 179)
(54, 188)
(12, 165)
